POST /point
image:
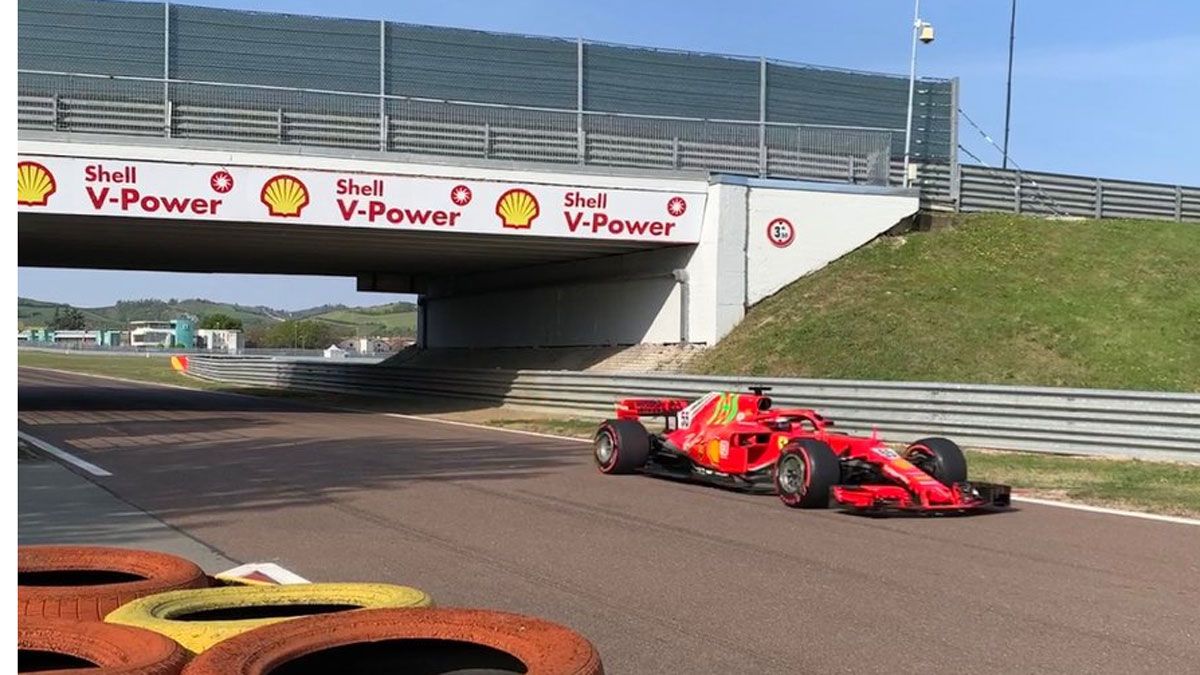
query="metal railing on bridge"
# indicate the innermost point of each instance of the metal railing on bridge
(136, 106)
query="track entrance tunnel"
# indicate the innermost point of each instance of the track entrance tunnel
(499, 257)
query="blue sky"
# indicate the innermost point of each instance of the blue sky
(1101, 87)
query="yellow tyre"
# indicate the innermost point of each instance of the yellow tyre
(199, 619)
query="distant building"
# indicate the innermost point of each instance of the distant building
(70, 338)
(180, 333)
(368, 345)
(335, 352)
(152, 333)
(214, 339)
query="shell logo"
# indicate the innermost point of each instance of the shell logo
(285, 196)
(517, 208)
(35, 184)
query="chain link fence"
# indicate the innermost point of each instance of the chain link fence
(215, 111)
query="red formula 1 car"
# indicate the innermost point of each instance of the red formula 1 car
(738, 440)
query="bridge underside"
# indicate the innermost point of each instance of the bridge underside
(405, 258)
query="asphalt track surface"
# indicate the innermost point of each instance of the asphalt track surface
(663, 577)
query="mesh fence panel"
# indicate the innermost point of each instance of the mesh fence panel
(293, 117)
(838, 155)
(345, 120)
(616, 140)
(488, 132)
(90, 105)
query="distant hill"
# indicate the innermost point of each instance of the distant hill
(398, 318)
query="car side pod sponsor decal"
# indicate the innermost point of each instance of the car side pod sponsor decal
(35, 184)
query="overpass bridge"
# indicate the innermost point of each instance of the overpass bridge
(499, 256)
(531, 191)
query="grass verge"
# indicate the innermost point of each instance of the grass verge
(148, 368)
(998, 299)
(1156, 487)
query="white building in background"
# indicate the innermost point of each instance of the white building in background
(335, 352)
(221, 340)
(152, 333)
(368, 345)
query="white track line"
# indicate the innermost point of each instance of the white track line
(62, 454)
(279, 574)
(473, 425)
(1178, 520)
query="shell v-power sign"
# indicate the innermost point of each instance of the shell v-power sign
(146, 189)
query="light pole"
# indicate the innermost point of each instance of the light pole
(924, 32)
(1012, 34)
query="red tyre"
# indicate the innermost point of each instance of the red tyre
(805, 472)
(621, 446)
(62, 647)
(415, 641)
(84, 583)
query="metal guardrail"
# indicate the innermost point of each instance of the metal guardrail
(84, 103)
(970, 187)
(1099, 422)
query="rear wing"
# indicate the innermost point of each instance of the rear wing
(633, 408)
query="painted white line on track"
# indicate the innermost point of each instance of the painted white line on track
(474, 425)
(1178, 520)
(269, 569)
(62, 454)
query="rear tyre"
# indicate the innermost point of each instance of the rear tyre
(621, 446)
(940, 458)
(805, 473)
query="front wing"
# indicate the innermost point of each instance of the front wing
(968, 496)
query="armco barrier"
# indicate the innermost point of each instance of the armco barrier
(1102, 422)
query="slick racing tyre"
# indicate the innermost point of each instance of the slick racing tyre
(940, 458)
(621, 446)
(61, 647)
(805, 473)
(83, 583)
(201, 618)
(404, 641)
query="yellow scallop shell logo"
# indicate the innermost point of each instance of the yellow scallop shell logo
(35, 184)
(517, 208)
(285, 196)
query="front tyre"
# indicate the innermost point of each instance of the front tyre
(940, 458)
(805, 473)
(621, 446)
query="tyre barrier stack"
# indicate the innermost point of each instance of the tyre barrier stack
(115, 611)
